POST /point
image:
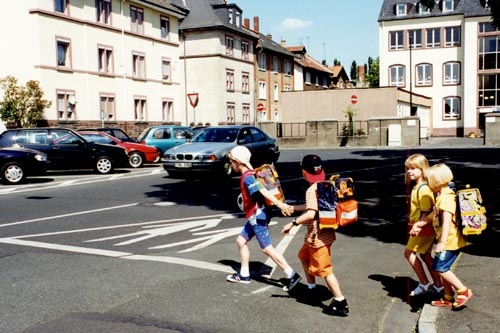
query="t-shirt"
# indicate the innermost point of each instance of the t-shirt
(421, 204)
(249, 187)
(316, 237)
(446, 202)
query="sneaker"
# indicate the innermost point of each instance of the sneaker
(438, 290)
(462, 298)
(442, 303)
(238, 278)
(337, 308)
(292, 282)
(421, 289)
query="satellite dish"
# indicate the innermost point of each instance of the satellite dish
(72, 99)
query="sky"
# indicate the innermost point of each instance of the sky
(345, 30)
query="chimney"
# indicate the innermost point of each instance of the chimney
(269, 36)
(256, 24)
(246, 23)
(283, 43)
(361, 73)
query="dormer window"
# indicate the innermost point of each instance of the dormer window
(401, 9)
(448, 5)
(423, 9)
(230, 16)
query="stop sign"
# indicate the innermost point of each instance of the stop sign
(354, 99)
(260, 107)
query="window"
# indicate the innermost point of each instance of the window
(423, 9)
(165, 27)
(245, 82)
(136, 19)
(424, 75)
(139, 65)
(262, 90)
(262, 61)
(397, 76)
(103, 11)
(107, 106)
(489, 89)
(276, 67)
(452, 73)
(246, 113)
(396, 40)
(66, 105)
(245, 49)
(105, 59)
(433, 37)
(167, 110)
(230, 16)
(238, 19)
(451, 108)
(230, 110)
(489, 52)
(140, 112)
(276, 92)
(485, 27)
(229, 46)
(166, 69)
(288, 67)
(415, 39)
(287, 88)
(308, 77)
(61, 6)
(230, 80)
(448, 5)
(63, 53)
(452, 36)
(401, 9)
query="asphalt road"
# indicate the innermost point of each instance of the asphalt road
(139, 252)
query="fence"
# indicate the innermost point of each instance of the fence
(291, 130)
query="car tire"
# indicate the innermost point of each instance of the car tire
(13, 173)
(136, 160)
(104, 165)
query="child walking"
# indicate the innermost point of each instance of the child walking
(421, 233)
(449, 238)
(257, 220)
(315, 253)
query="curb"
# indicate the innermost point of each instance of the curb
(427, 319)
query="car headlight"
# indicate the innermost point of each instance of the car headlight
(211, 157)
(169, 156)
(40, 157)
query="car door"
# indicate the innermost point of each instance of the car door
(262, 147)
(69, 151)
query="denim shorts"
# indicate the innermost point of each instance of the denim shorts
(444, 260)
(260, 230)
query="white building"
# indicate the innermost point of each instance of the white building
(106, 61)
(454, 58)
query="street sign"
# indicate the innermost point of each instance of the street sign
(260, 107)
(354, 99)
(193, 99)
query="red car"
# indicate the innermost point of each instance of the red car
(138, 154)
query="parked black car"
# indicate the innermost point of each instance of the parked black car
(18, 163)
(66, 149)
(113, 131)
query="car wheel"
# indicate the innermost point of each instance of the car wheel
(13, 173)
(136, 160)
(104, 165)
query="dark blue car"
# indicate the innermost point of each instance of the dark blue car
(18, 163)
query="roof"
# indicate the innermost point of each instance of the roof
(307, 61)
(167, 5)
(467, 8)
(270, 45)
(210, 14)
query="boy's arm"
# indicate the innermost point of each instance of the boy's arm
(308, 215)
(286, 209)
(446, 217)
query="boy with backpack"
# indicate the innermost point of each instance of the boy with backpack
(448, 236)
(315, 252)
(256, 213)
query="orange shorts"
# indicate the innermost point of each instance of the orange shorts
(319, 261)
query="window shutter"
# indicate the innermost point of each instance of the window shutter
(395, 9)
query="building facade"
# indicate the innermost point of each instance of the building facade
(449, 53)
(105, 62)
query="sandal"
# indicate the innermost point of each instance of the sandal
(462, 298)
(442, 303)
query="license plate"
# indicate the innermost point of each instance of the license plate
(183, 165)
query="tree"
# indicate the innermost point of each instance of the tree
(336, 62)
(373, 76)
(23, 105)
(354, 71)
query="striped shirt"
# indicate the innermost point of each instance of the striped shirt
(314, 236)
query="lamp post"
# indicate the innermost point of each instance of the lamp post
(410, 39)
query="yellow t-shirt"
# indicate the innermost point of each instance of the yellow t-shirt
(446, 202)
(422, 200)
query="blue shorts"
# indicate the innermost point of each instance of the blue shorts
(444, 260)
(259, 230)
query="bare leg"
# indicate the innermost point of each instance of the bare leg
(333, 285)
(417, 266)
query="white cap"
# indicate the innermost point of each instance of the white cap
(242, 155)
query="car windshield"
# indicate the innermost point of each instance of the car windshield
(216, 135)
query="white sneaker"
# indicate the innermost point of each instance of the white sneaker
(421, 289)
